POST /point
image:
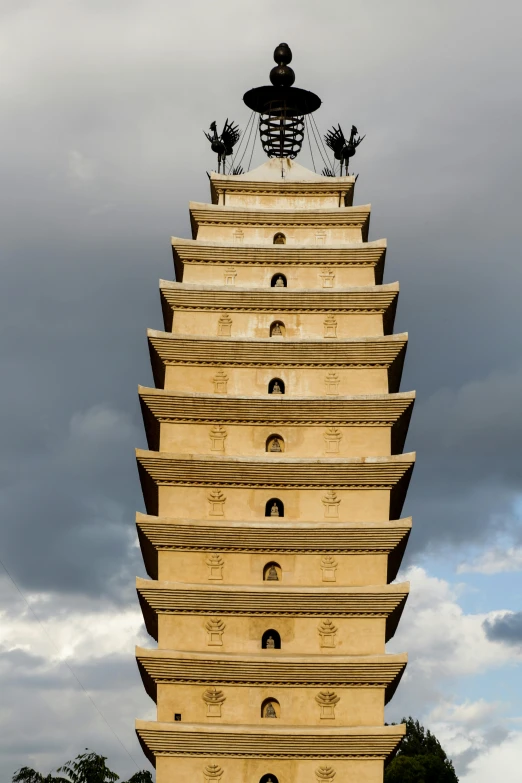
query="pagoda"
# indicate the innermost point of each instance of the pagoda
(276, 476)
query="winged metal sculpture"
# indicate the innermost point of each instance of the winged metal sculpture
(343, 150)
(223, 144)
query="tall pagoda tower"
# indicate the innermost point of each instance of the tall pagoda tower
(275, 477)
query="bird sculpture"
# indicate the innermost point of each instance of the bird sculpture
(223, 144)
(343, 150)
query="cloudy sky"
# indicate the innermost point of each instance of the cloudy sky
(103, 104)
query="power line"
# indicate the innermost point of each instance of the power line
(100, 713)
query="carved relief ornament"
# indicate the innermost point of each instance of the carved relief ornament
(327, 631)
(213, 773)
(215, 628)
(217, 502)
(215, 565)
(331, 504)
(327, 701)
(214, 700)
(218, 435)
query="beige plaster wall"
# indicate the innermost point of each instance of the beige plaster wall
(236, 770)
(296, 276)
(264, 235)
(298, 381)
(280, 201)
(298, 441)
(244, 503)
(247, 569)
(252, 325)
(298, 707)
(299, 635)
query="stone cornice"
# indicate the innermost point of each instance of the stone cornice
(364, 299)
(358, 254)
(305, 538)
(187, 470)
(335, 671)
(280, 219)
(379, 410)
(337, 187)
(219, 741)
(359, 353)
(385, 601)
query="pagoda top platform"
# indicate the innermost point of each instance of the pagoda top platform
(278, 176)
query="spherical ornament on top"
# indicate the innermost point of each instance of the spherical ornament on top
(282, 75)
(283, 54)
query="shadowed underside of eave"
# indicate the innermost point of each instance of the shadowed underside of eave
(306, 538)
(381, 473)
(311, 671)
(384, 410)
(280, 219)
(336, 187)
(360, 353)
(184, 739)
(358, 254)
(179, 598)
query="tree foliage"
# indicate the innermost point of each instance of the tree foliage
(420, 758)
(88, 767)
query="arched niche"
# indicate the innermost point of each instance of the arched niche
(279, 238)
(268, 778)
(278, 281)
(272, 572)
(270, 708)
(276, 386)
(274, 508)
(275, 444)
(277, 329)
(271, 640)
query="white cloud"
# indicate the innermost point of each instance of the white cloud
(494, 561)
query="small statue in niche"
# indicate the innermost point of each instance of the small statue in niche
(270, 642)
(276, 388)
(274, 445)
(270, 711)
(274, 511)
(279, 283)
(272, 576)
(276, 331)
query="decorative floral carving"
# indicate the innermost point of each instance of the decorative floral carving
(214, 700)
(332, 437)
(215, 564)
(331, 504)
(215, 628)
(332, 383)
(225, 326)
(217, 502)
(230, 275)
(327, 631)
(327, 701)
(330, 326)
(325, 774)
(328, 277)
(218, 435)
(220, 381)
(213, 773)
(329, 565)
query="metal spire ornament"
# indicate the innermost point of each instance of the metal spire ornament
(282, 108)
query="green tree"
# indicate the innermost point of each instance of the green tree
(28, 775)
(88, 767)
(420, 758)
